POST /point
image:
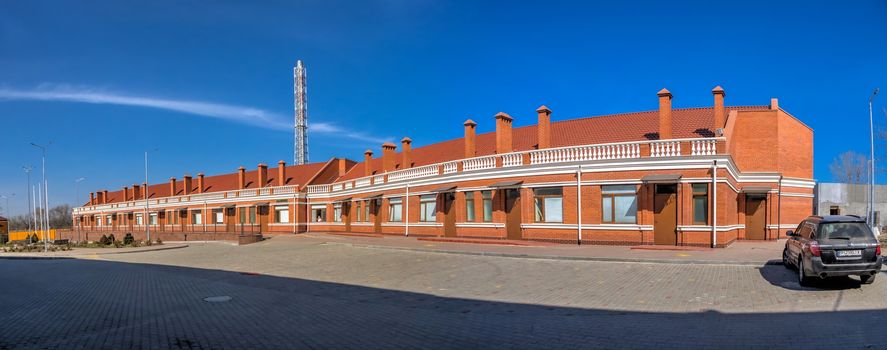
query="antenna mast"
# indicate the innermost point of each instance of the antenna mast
(300, 92)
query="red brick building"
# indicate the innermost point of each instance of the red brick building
(689, 176)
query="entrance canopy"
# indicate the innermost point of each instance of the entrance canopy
(506, 184)
(755, 190)
(444, 189)
(661, 178)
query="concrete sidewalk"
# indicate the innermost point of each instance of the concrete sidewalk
(755, 253)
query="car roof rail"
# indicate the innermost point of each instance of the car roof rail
(855, 216)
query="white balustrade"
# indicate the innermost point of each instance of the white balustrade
(451, 167)
(512, 159)
(285, 189)
(378, 179)
(265, 191)
(412, 173)
(479, 163)
(703, 147)
(362, 182)
(319, 188)
(585, 153)
(665, 148)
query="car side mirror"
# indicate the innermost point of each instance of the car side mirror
(790, 233)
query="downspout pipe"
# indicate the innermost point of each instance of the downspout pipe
(579, 203)
(714, 203)
(779, 209)
(406, 219)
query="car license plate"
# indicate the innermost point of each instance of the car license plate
(848, 253)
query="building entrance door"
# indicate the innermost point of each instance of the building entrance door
(755, 216)
(377, 217)
(449, 201)
(665, 214)
(346, 215)
(229, 220)
(512, 213)
(263, 218)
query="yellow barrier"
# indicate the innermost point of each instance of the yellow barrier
(23, 235)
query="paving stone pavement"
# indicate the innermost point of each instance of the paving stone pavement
(300, 293)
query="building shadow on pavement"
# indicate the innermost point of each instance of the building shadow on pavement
(103, 304)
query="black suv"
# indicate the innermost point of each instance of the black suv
(833, 245)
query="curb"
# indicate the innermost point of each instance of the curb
(75, 256)
(568, 258)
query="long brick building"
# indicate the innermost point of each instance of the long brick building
(688, 176)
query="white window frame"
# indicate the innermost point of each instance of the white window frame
(428, 208)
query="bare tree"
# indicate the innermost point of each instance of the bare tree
(850, 167)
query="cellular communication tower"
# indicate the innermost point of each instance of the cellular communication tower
(300, 92)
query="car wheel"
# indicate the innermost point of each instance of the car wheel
(867, 279)
(785, 261)
(803, 280)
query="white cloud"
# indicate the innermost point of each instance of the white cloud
(246, 115)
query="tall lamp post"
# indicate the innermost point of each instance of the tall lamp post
(871, 214)
(77, 196)
(147, 206)
(27, 170)
(45, 196)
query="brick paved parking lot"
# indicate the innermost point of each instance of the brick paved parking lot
(302, 293)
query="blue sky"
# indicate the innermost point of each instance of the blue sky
(210, 85)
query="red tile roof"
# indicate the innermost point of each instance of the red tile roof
(295, 175)
(624, 127)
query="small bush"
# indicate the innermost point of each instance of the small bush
(33, 238)
(135, 244)
(111, 238)
(128, 239)
(118, 244)
(159, 241)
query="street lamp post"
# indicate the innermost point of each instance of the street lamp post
(27, 170)
(871, 213)
(45, 194)
(77, 196)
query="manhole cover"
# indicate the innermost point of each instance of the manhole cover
(218, 299)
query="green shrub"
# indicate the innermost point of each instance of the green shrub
(127, 240)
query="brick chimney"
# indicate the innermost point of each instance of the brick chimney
(543, 129)
(774, 103)
(199, 182)
(91, 198)
(281, 173)
(145, 190)
(503, 133)
(262, 174)
(343, 166)
(126, 194)
(136, 192)
(388, 149)
(367, 158)
(470, 138)
(405, 152)
(241, 178)
(172, 186)
(104, 196)
(720, 117)
(187, 181)
(664, 114)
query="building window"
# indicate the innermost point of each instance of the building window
(152, 219)
(469, 206)
(358, 211)
(366, 211)
(108, 220)
(337, 212)
(428, 208)
(487, 197)
(700, 204)
(242, 215)
(139, 219)
(619, 204)
(395, 209)
(282, 215)
(218, 216)
(175, 218)
(196, 217)
(318, 213)
(834, 210)
(549, 204)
